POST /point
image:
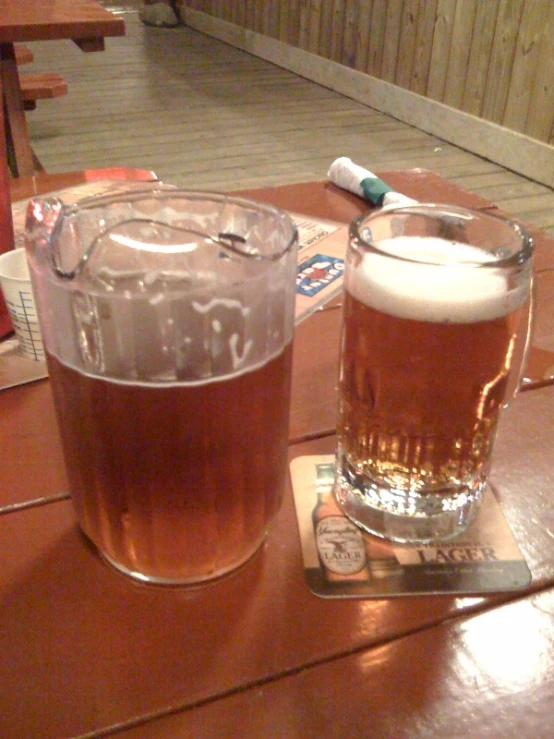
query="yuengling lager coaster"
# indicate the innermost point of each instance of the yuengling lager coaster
(340, 560)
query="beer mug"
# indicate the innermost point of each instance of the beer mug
(168, 318)
(436, 327)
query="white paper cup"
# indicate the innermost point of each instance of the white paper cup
(18, 294)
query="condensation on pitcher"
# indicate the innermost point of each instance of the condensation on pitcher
(237, 358)
(87, 317)
(108, 277)
(182, 349)
(151, 277)
(224, 302)
(156, 299)
(112, 277)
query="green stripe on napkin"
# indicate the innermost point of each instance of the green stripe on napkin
(375, 190)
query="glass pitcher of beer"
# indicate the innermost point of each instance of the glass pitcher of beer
(436, 326)
(167, 318)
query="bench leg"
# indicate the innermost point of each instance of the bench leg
(38, 166)
(17, 136)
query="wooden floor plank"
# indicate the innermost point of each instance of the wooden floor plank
(204, 114)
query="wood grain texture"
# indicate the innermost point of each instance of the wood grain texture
(422, 50)
(407, 43)
(350, 34)
(502, 59)
(377, 39)
(363, 35)
(440, 48)
(479, 56)
(540, 118)
(458, 58)
(493, 59)
(203, 114)
(525, 66)
(393, 26)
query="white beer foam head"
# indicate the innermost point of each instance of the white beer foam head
(451, 288)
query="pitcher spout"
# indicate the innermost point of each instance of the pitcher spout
(42, 226)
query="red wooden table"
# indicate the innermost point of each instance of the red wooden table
(83, 21)
(85, 651)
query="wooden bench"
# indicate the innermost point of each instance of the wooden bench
(37, 86)
(32, 87)
(40, 87)
(23, 54)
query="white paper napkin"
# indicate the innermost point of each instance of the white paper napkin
(344, 173)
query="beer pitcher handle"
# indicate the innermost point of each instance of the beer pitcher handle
(538, 362)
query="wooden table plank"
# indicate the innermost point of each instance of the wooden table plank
(84, 21)
(32, 466)
(41, 183)
(83, 648)
(325, 200)
(37, 20)
(490, 675)
(315, 366)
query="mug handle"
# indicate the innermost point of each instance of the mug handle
(539, 361)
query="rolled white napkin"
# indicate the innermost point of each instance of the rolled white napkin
(344, 173)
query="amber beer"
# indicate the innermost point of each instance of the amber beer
(426, 362)
(175, 482)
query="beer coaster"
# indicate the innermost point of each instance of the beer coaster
(342, 561)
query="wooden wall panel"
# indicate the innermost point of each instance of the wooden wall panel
(540, 117)
(350, 26)
(272, 18)
(491, 58)
(363, 35)
(440, 48)
(238, 13)
(458, 57)
(502, 60)
(294, 21)
(336, 30)
(249, 12)
(377, 38)
(391, 40)
(325, 28)
(283, 23)
(479, 56)
(407, 43)
(423, 44)
(524, 69)
(217, 6)
(310, 21)
(305, 27)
